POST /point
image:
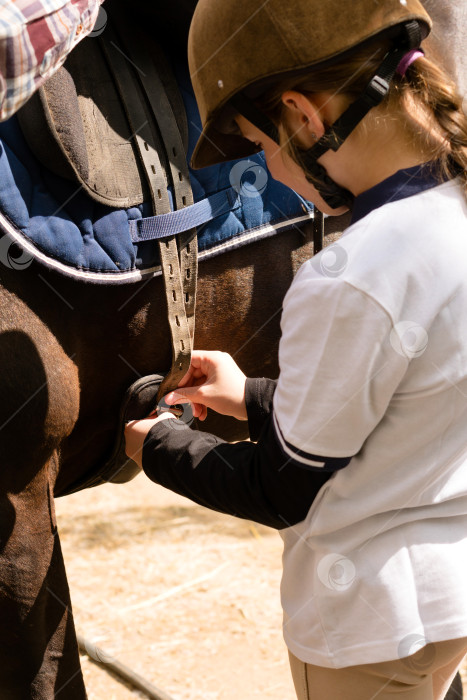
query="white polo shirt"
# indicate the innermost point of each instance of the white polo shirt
(373, 366)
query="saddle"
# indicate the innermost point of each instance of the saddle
(76, 124)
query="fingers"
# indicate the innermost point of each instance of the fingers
(207, 384)
(135, 435)
(188, 377)
(203, 364)
(204, 413)
(199, 411)
(199, 358)
(144, 425)
(188, 395)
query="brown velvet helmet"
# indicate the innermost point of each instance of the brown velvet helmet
(239, 47)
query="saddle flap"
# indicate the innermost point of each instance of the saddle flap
(77, 126)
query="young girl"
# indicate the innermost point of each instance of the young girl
(359, 453)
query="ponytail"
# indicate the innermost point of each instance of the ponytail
(432, 87)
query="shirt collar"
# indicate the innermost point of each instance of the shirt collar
(404, 183)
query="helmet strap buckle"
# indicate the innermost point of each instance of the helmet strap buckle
(376, 90)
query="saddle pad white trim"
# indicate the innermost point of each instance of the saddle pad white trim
(251, 236)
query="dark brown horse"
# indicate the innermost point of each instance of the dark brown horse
(449, 37)
(68, 355)
(68, 352)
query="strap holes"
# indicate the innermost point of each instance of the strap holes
(153, 168)
(188, 274)
(188, 249)
(167, 244)
(182, 345)
(184, 201)
(177, 321)
(171, 269)
(187, 298)
(159, 193)
(180, 366)
(146, 146)
(180, 177)
(174, 295)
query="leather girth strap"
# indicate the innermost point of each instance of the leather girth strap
(142, 90)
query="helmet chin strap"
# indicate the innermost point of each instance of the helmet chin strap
(333, 194)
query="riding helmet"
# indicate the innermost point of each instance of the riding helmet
(239, 48)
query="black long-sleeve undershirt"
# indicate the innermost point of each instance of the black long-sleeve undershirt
(252, 480)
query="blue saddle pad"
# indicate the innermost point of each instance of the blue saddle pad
(56, 223)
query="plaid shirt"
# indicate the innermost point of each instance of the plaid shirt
(36, 36)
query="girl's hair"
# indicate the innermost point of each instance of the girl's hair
(443, 130)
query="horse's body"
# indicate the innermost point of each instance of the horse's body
(68, 352)
(67, 370)
(449, 37)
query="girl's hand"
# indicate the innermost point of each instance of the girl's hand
(214, 381)
(135, 435)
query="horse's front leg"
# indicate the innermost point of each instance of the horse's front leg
(39, 401)
(38, 651)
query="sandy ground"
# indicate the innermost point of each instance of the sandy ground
(187, 598)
